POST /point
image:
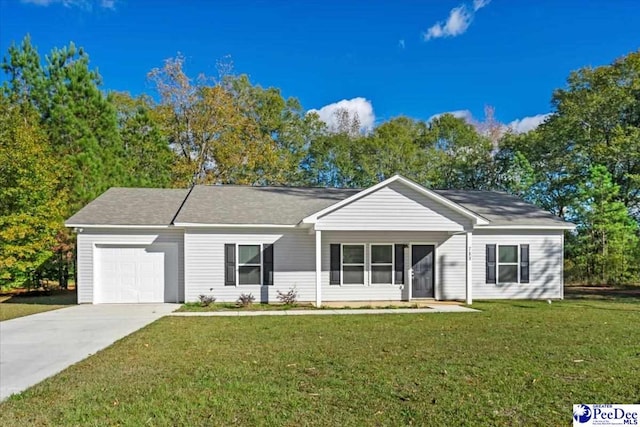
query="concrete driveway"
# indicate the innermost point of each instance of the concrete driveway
(36, 347)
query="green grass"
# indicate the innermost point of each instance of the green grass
(515, 363)
(20, 305)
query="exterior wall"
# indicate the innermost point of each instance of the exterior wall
(545, 268)
(450, 265)
(87, 240)
(394, 207)
(293, 263)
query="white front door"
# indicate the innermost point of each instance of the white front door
(136, 274)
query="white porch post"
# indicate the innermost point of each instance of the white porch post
(469, 269)
(318, 268)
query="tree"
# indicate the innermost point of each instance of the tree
(607, 242)
(281, 123)
(461, 157)
(32, 205)
(146, 155)
(213, 138)
(80, 123)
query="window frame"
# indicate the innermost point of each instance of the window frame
(392, 264)
(499, 263)
(363, 264)
(238, 264)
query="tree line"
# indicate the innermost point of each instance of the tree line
(64, 141)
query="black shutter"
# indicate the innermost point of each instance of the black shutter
(267, 265)
(230, 264)
(399, 264)
(524, 263)
(491, 263)
(334, 275)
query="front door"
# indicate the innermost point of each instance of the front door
(422, 257)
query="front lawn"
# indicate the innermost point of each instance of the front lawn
(12, 306)
(515, 363)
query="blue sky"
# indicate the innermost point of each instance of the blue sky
(386, 58)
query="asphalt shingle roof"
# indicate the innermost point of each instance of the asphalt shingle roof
(131, 206)
(231, 204)
(501, 208)
(236, 204)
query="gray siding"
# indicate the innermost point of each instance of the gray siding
(450, 265)
(294, 263)
(87, 240)
(545, 269)
(394, 207)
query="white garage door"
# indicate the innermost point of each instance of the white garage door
(136, 274)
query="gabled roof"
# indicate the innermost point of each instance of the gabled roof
(235, 206)
(131, 206)
(503, 209)
(477, 219)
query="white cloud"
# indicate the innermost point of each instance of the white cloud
(479, 4)
(526, 124)
(83, 4)
(461, 114)
(457, 23)
(360, 106)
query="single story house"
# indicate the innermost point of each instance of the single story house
(394, 241)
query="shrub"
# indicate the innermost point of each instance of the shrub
(245, 300)
(206, 300)
(288, 298)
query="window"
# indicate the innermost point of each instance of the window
(249, 265)
(353, 264)
(381, 264)
(508, 264)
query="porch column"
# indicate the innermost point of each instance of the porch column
(469, 269)
(318, 268)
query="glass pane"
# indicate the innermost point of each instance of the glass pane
(249, 254)
(353, 275)
(508, 254)
(381, 274)
(353, 254)
(249, 275)
(508, 274)
(381, 254)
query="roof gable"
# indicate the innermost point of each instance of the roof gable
(475, 218)
(394, 207)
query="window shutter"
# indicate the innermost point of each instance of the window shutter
(267, 267)
(399, 264)
(491, 263)
(334, 275)
(524, 263)
(230, 264)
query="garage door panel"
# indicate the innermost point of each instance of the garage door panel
(133, 274)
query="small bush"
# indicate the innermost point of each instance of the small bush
(288, 298)
(245, 300)
(206, 300)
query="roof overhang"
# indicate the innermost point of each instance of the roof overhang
(475, 218)
(70, 225)
(568, 226)
(205, 225)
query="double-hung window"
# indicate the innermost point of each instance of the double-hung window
(508, 264)
(353, 264)
(249, 265)
(381, 264)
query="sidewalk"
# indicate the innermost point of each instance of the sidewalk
(440, 308)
